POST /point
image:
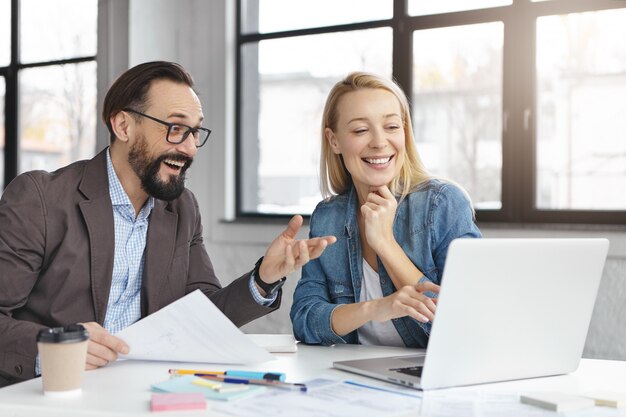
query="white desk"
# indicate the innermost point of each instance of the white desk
(123, 388)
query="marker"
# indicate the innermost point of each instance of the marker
(266, 382)
(272, 376)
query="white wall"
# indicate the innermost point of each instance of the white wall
(200, 35)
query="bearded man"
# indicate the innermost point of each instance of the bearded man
(108, 241)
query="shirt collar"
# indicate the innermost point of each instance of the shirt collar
(119, 196)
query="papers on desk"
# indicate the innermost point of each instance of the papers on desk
(455, 402)
(191, 329)
(326, 397)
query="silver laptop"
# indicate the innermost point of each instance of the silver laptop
(508, 309)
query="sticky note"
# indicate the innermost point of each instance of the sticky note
(557, 401)
(206, 383)
(178, 401)
(608, 398)
(184, 384)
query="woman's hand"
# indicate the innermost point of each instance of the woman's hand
(407, 301)
(378, 212)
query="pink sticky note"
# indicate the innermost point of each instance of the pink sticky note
(182, 401)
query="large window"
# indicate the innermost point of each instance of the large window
(581, 102)
(47, 83)
(522, 102)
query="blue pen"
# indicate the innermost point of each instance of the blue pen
(276, 384)
(358, 384)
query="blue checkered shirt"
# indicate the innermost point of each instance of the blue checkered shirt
(124, 305)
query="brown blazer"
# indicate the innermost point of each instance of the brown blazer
(56, 259)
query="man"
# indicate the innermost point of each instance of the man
(107, 241)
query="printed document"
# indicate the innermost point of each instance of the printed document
(191, 329)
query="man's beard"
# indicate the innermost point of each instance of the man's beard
(148, 171)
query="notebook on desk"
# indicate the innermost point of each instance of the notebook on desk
(275, 343)
(508, 309)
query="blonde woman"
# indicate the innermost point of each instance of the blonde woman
(393, 221)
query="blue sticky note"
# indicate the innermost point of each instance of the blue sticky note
(184, 384)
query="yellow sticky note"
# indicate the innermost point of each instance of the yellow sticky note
(206, 383)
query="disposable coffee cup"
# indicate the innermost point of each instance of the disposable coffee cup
(62, 355)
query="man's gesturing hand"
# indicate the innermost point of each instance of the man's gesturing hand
(285, 254)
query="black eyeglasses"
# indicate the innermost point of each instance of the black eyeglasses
(177, 133)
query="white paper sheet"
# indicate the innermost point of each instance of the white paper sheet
(191, 329)
(326, 397)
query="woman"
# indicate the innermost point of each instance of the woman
(393, 222)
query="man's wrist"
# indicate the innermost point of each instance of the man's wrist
(269, 289)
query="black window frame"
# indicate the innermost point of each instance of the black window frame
(11, 104)
(519, 101)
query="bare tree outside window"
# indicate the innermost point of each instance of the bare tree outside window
(57, 102)
(57, 115)
(5, 32)
(282, 111)
(457, 102)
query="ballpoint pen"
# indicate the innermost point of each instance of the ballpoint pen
(276, 384)
(272, 376)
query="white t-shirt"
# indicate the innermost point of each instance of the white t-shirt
(374, 332)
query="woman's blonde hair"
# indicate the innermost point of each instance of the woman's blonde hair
(334, 177)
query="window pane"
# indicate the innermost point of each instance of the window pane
(57, 109)
(425, 7)
(581, 120)
(457, 106)
(59, 29)
(2, 131)
(5, 33)
(265, 16)
(284, 87)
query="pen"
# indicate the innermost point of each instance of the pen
(276, 384)
(272, 376)
(358, 384)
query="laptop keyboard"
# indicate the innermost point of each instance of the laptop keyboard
(411, 370)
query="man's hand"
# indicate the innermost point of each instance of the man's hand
(103, 346)
(285, 254)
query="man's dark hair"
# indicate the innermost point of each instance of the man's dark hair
(130, 90)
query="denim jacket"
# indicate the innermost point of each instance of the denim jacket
(426, 221)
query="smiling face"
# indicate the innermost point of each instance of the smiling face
(159, 164)
(370, 137)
